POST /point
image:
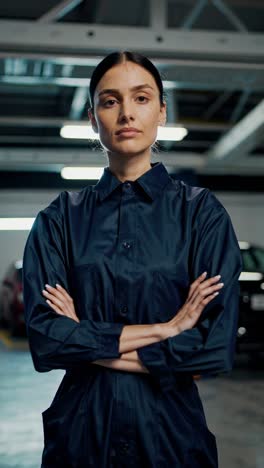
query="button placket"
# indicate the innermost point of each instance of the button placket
(125, 255)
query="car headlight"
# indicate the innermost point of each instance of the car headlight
(20, 297)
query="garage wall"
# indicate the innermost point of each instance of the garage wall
(246, 211)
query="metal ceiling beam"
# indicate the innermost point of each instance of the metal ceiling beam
(59, 11)
(241, 139)
(89, 39)
(36, 159)
(78, 103)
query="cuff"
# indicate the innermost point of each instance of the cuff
(154, 359)
(110, 339)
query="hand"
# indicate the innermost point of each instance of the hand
(200, 294)
(60, 301)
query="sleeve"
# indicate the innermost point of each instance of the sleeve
(209, 347)
(57, 341)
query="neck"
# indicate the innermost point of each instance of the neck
(125, 168)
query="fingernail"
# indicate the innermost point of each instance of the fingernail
(205, 273)
(220, 284)
(216, 293)
(218, 276)
(58, 285)
(47, 286)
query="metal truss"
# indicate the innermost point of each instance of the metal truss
(59, 11)
(221, 6)
(69, 39)
(241, 139)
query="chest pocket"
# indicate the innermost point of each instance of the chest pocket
(169, 293)
(84, 284)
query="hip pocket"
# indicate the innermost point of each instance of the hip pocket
(65, 428)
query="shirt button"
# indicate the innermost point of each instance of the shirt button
(123, 310)
(128, 185)
(124, 446)
(127, 245)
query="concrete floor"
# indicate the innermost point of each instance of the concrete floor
(234, 406)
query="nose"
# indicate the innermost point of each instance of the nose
(126, 111)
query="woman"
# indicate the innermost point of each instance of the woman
(121, 289)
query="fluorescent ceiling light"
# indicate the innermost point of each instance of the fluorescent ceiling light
(16, 224)
(90, 173)
(85, 131)
(171, 133)
(250, 276)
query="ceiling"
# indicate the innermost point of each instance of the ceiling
(211, 57)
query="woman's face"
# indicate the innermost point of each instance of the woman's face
(117, 104)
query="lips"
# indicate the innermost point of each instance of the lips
(127, 130)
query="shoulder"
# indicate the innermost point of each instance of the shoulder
(66, 200)
(196, 198)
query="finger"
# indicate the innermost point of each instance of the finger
(58, 298)
(55, 291)
(54, 307)
(196, 283)
(53, 299)
(66, 299)
(202, 286)
(68, 302)
(201, 296)
(209, 298)
(64, 292)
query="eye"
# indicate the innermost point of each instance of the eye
(109, 100)
(144, 97)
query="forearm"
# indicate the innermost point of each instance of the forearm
(136, 336)
(132, 337)
(129, 362)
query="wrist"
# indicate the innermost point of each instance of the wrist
(168, 330)
(163, 331)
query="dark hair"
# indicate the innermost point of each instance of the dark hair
(116, 58)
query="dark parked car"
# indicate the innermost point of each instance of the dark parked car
(250, 336)
(11, 300)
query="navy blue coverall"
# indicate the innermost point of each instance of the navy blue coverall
(127, 253)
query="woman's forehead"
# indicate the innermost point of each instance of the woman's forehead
(126, 76)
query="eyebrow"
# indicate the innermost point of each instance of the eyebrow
(134, 88)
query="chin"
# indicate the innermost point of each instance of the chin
(126, 148)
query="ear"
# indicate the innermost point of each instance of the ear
(163, 114)
(92, 120)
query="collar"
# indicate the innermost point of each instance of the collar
(152, 181)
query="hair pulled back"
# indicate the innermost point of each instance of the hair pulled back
(116, 58)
